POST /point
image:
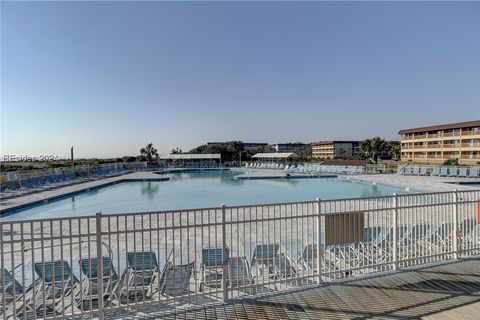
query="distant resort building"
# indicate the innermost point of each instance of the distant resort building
(246, 145)
(216, 143)
(183, 159)
(336, 149)
(436, 144)
(254, 145)
(288, 147)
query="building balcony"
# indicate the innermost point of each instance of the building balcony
(451, 134)
(470, 156)
(420, 136)
(471, 145)
(471, 133)
(323, 155)
(423, 146)
(451, 146)
(451, 156)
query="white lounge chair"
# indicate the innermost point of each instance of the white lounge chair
(453, 172)
(443, 171)
(473, 172)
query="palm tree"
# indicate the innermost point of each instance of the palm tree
(149, 152)
(393, 150)
(373, 147)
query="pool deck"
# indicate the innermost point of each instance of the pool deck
(446, 290)
(419, 183)
(41, 196)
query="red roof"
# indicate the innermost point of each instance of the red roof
(457, 125)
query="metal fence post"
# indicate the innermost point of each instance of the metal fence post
(395, 231)
(224, 259)
(98, 226)
(319, 238)
(455, 224)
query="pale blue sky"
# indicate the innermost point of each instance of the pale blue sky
(110, 77)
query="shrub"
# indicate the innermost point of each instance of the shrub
(451, 162)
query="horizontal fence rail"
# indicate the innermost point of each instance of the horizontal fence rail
(119, 265)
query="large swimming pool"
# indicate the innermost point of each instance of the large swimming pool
(197, 189)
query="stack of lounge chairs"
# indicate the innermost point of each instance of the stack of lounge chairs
(14, 185)
(308, 168)
(462, 172)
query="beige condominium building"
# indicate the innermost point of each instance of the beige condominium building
(335, 149)
(436, 144)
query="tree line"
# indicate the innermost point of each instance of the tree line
(235, 151)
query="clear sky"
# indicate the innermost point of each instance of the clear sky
(110, 77)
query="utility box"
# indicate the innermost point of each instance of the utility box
(343, 228)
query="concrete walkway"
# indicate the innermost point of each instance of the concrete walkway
(419, 183)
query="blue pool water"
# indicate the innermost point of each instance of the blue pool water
(196, 190)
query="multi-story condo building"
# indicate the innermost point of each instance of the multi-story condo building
(246, 145)
(335, 149)
(254, 145)
(288, 147)
(436, 144)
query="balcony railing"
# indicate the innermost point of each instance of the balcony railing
(451, 134)
(470, 156)
(471, 145)
(470, 132)
(121, 264)
(420, 136)
(451, 156)
(451, 146)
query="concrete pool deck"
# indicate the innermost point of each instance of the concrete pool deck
(419, 183)
(41, 196)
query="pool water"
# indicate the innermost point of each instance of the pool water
(197, 189)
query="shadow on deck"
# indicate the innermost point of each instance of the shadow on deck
(436, 291)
